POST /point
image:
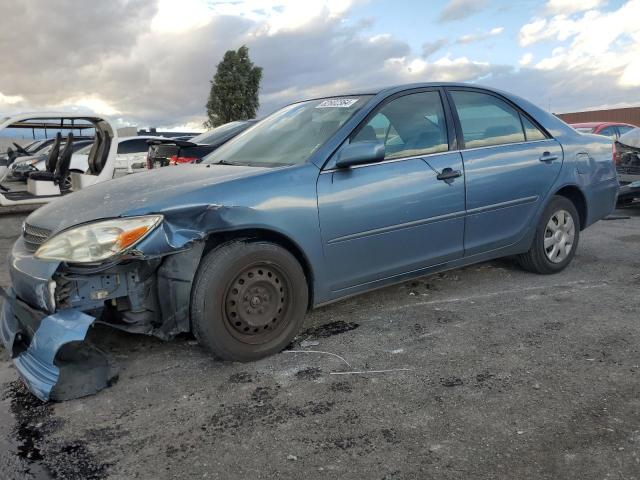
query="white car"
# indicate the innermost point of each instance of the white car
(131, 156)
(49, 184)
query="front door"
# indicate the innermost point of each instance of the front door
(385, 219)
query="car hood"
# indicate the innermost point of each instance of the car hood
(138, 194)
(631, 138)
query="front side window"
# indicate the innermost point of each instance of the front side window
(408, 126)
(291, 135)
(624, 129)
(486, 120)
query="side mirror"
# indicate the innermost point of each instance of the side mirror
(360, 153)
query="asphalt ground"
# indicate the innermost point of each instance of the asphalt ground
(481, 372)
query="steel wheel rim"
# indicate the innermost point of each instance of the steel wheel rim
(255, 303)
(559, 236)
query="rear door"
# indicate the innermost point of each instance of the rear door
(510, 165)
(385, 219)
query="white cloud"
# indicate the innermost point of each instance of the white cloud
(594, 43)
(459, 9)
(477, 37)
(10, 99)
(526, 59)
(181, 16)
(567, 7)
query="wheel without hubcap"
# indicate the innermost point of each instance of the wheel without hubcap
(255, 303)
(249, 300)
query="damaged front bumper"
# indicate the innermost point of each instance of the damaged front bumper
(46, 315)
(45, 349)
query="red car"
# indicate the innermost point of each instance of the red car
(608, 129)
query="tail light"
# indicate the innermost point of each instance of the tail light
(176, 160)
(616, 154)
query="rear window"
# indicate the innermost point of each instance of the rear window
(212, 136)
(584, 129)
(133, 146)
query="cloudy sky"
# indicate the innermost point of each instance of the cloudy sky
(149, 62)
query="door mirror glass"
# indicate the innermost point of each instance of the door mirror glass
(360, 153)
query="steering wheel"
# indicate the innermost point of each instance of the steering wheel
(20, 149)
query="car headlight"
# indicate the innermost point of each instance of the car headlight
(95, 242)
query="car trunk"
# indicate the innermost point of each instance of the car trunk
(175, 153)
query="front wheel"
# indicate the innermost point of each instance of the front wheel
(249, 300)
(556, 238)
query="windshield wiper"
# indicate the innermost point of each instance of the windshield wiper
(224, 162)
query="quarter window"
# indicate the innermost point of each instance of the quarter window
(486, 120)
(531, 132)
(408, 126)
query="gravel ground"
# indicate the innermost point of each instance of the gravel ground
(482, 372)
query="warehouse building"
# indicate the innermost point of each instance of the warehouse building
(623, 115)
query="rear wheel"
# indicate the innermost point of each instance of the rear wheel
(556, 238)
(249, 300)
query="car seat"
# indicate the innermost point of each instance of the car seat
(50, 163)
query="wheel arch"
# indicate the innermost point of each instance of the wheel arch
(262, 234)
(577, 197)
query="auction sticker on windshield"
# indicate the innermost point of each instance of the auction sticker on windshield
(337, 103)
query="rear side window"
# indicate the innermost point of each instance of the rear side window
(486, 120)
(410, 125)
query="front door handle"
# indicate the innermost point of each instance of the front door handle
(449, 174)
(547, 157)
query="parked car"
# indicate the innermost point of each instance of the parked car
(45, 186)
(23, 166)
(612, 130)
(323, 199)
(173, 151)
(627, 157)
(131, 155)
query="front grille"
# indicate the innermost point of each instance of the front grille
(34, 236)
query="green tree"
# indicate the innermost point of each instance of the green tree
(234, 89)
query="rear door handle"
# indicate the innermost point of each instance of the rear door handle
(448, 174)
(547, 157)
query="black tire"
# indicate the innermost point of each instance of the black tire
(248, 301)
(537, 259)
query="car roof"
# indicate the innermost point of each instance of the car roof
(401, 87)
(598, 124)
(141, 137)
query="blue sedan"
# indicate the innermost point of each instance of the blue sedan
(323, 199)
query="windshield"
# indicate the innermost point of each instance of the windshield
(210, 137)
(291, 135)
